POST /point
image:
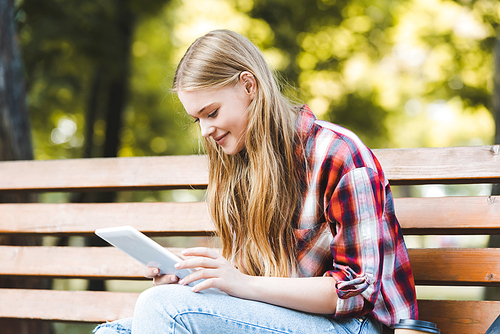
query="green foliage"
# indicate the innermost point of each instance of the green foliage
(364, 64)
(71, 48)
(389, 70)
(320, 39)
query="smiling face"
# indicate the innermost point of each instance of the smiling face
(221, 113)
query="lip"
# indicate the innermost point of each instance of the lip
(220, 139)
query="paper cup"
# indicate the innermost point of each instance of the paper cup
(410, 326)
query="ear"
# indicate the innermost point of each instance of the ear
(247, 80)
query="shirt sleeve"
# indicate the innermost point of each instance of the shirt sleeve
(356, 209)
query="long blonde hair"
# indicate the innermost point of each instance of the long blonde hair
(253, 195)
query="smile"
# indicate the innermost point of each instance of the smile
(220, 139)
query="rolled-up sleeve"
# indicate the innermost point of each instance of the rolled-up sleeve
(356, 210)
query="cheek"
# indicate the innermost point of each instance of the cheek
(241, 125)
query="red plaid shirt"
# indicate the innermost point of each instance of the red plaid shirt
(347, 227)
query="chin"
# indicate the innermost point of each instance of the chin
(230, 151)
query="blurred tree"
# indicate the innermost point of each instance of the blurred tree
(319, 38)
(387, 61)
(15, 144)
(78, 65)
(15, 137)
(404, 64)
(494, 242)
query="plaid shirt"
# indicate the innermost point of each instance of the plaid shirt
(347, 227)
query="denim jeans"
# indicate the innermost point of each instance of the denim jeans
(176, 309)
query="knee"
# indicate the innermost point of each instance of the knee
(163, 298)
(157, 308)
(122, 326)
(149, 299)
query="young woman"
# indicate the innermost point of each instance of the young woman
(311, 243)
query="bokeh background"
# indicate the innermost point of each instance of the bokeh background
(399, 73)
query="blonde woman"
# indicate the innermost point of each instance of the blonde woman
(311, 243)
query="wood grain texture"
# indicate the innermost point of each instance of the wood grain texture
(459, 317)
(474, 164)
(455, 266)
(417, 216)
(449, 215)
(150, 218)
(452, 317)
(70, 262)
(82, 306)
(105, 174)
(478, 164)
(479, 267)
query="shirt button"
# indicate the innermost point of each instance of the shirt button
(360, 319)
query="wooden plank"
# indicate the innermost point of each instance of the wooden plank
(151, 218)
(452, 317)
(448, 165)
(449, 215)
(105, 174)
(417, 216)
(478, 267)
(479, 164)
(459, 317)
(455, 266)
(82, 306)
(70, 262)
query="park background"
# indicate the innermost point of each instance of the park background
(400, 74)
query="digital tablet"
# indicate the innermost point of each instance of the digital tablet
(143, 249)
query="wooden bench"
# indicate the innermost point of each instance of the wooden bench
(418, 216)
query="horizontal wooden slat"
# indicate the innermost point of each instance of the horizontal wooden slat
(459, 317)
(452, 317)
(151, 218)
(449, 215)
(478, 267)
(479, 164)
(418, 216)
(70, 262)
(456, 266)
(448, 165)
(105, 174)
(83, 306)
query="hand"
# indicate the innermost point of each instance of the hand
(216, 271)
(158, 279)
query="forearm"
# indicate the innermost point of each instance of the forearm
(313, 294)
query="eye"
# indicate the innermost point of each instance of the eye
(212, 115)
(196, 120)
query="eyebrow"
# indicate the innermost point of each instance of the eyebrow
(205, 107)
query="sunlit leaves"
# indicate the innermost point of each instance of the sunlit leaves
(389, 70)
(407, 59)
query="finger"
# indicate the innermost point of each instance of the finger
(197, 262)
(151, 272)
(206, 284)
(164, 279)
(199, 274)
(201, 251)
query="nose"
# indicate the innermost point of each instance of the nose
(206, 128)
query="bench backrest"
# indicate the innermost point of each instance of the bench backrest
(417, 216)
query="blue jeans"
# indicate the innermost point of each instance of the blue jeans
(176, 309)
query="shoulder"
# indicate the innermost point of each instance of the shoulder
(346, 143)
(333, 144)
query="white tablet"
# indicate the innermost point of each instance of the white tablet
(143, 249)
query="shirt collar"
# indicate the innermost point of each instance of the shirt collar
(305, 121)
